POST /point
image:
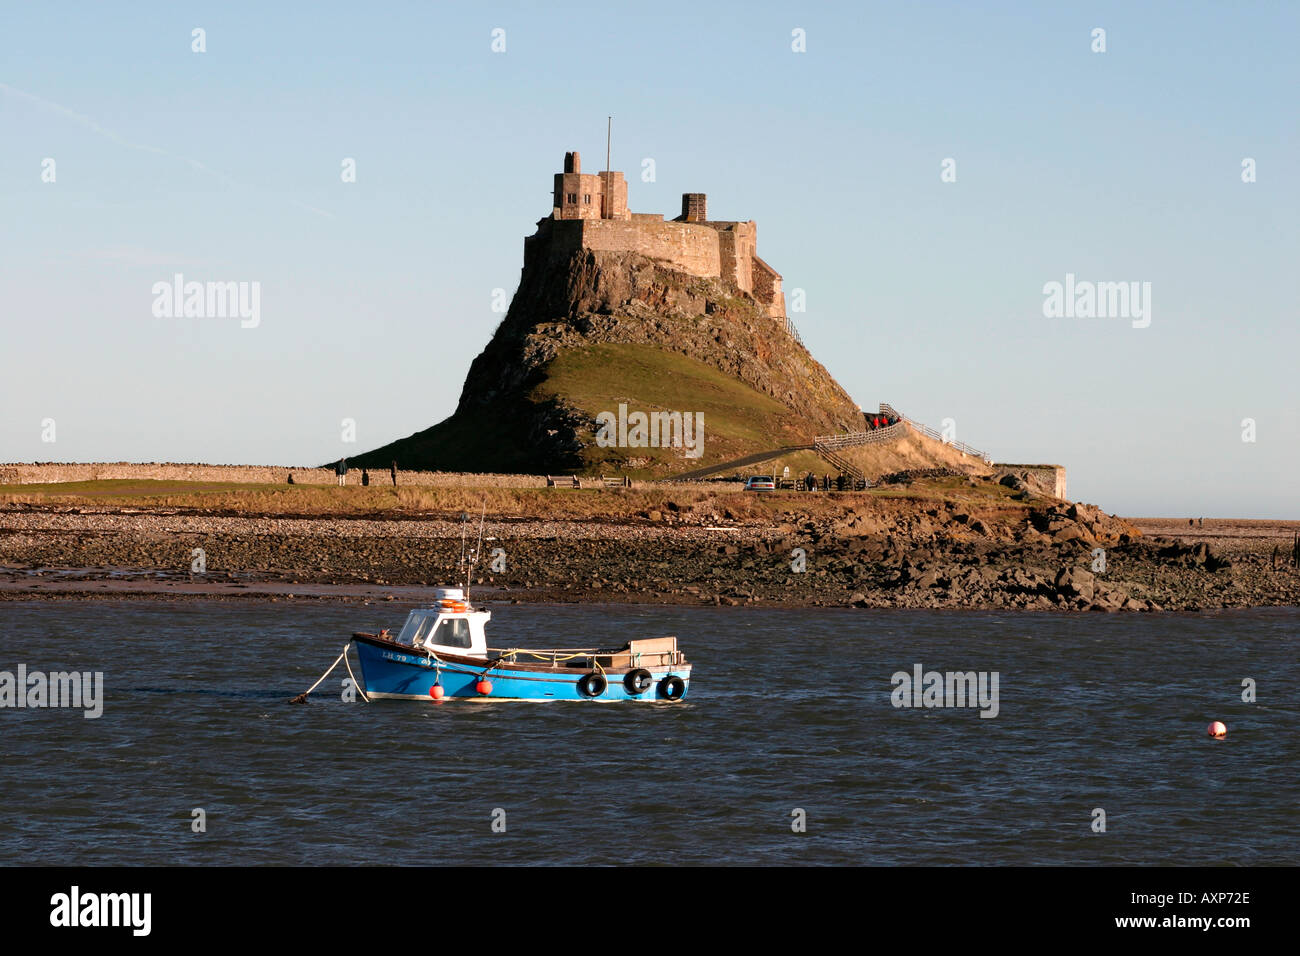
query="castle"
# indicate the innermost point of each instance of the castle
(590, 212)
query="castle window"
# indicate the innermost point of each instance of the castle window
(586, 198)
(573, 197)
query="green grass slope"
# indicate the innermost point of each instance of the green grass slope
(738, 419)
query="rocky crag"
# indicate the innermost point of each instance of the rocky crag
(572, 302)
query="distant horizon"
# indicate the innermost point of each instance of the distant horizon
(1077, 248)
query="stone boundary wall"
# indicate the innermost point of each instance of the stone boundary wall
(44, 473)
(29, 473)
(911, 474)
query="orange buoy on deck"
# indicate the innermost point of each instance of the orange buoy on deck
(1217, 729)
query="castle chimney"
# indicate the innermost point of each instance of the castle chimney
(572, 162)
(694, 207)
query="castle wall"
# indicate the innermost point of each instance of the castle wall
(746, 244)
(583, 217)
(556, 239)
(767, 288)
(737, 241)
(727, 256)
(686, 247)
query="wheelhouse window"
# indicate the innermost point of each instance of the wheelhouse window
(453, 632)
(417, 628)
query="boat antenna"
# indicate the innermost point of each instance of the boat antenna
(464, 517)
(477, 550)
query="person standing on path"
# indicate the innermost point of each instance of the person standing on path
(393, 471)
(341, 471)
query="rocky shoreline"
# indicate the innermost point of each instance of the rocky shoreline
(867, 553)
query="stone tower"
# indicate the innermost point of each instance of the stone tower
(580, 195)
(694, 208)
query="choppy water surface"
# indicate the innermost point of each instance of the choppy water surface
(788, 709)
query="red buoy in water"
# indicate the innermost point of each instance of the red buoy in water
(437, 692)
(1217, 729)
(484, 686)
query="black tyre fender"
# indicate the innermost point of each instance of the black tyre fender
(592, 685)
(638, 681)
(672, 687)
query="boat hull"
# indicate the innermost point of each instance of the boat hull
(395, 671)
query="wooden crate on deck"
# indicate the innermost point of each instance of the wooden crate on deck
(652, 651)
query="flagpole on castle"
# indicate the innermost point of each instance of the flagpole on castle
(609, 129)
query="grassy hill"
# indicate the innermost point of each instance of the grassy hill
(737, 419)
(588, 380)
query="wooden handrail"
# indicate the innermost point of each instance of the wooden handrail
(961, 446)
(853, 439)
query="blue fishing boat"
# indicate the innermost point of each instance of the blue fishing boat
(441, 652)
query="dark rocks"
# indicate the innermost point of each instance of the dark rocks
(1194, 556)
(639, 560)
(928, 579)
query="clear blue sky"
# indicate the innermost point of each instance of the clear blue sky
(376, 295)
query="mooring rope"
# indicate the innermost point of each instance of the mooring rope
(353, 676)
(302, 698)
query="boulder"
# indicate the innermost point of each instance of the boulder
(928, 580)
(1076, 583)
(1067, 533)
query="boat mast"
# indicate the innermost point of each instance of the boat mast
(464, 519)
(468, 564)
(477, 550)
